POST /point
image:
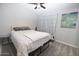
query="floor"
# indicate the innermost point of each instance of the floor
(54, 49)
(59, 49)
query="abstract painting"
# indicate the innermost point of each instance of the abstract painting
(69, 20)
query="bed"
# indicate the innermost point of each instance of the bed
(27, 40)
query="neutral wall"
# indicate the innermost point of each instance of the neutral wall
(15, 14)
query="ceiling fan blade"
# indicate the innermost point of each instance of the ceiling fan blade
(33, 3)
(42, 3)
(42, 6)
(35, 7)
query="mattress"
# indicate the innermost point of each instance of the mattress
(28, 40)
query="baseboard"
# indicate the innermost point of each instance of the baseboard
(67, 44)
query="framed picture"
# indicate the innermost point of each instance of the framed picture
(69, 20)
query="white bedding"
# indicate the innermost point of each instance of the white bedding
(28, 40)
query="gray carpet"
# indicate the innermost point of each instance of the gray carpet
(54, 49)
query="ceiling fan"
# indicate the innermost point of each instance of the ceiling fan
(39, 4)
